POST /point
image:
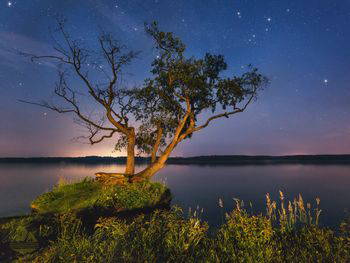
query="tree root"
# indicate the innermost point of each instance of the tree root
(112, 178)
(118, 178)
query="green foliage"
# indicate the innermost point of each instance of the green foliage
(27, 234)
(282, 235)
(160, 237)
(90, 194)
(183, 87)
(165, 236)
(245, 237)
(311, 244)
(133, 196)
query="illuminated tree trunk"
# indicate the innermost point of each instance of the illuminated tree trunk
(157, 144)
(160, 162)
(130, 159)
(155, 166)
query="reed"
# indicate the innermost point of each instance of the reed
(292, 213)
(289, 231)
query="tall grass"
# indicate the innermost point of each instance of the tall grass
(291, 214)
(289, 231)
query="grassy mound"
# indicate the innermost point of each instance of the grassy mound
(76, 206)
(91, 194)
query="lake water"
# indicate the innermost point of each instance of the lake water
(193, 185)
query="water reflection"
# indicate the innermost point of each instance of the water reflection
(194, 186)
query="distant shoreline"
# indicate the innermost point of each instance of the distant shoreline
(198, 160)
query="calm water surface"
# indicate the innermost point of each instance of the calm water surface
(194, 186)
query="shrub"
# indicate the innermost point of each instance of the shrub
(163, 236)
(244, 237)
(287, 233)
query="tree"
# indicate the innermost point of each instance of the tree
(73, 59)
(167, 109)
(171, 103)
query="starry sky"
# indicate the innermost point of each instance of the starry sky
(302, 46)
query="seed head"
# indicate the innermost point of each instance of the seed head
(221, 203)
(318, 200)
(281, 195)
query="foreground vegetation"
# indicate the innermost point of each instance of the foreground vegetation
(288, 232)
(92, 195)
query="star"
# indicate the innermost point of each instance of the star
(239, 14)
(325, 81)
(269, 19)
(9, 3)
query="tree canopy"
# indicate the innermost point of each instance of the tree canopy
(182, 96)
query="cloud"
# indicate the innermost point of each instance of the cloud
(11, 43)
(131, 26)
(119, 18)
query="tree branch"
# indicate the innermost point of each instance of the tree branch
(117, 124)
(48, 106)
(225, 114)
(92, 141)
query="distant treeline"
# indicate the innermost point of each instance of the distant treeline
(199, 160)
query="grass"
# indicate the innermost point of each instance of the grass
(91, 194)
(287, 232)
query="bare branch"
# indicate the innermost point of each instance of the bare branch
(48, 106)
(92, 141)
(225, 114)
(37, 57)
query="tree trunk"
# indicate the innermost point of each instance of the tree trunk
(157, 144)
(130, 159)
(159, 164)
(156, 166)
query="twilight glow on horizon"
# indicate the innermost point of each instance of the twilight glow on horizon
(302, 46)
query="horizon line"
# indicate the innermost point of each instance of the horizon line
(194, 156)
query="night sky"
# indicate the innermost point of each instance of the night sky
(302, 46)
